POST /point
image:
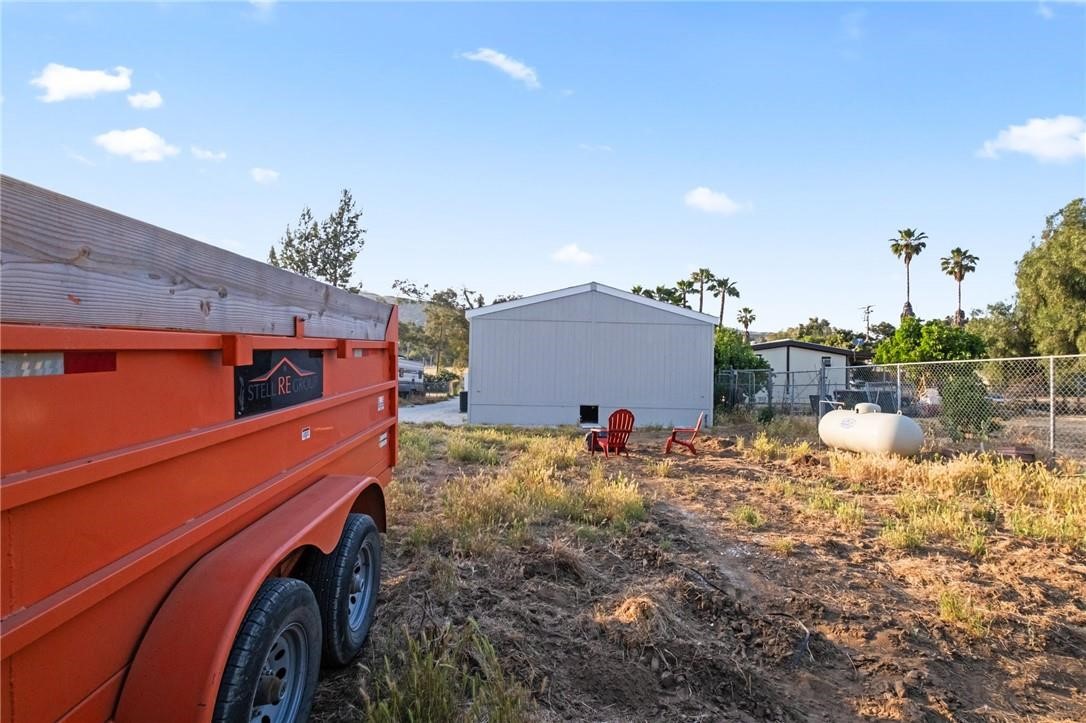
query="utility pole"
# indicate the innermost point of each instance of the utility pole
(867, 318)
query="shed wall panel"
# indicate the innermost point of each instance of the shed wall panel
(538, 363)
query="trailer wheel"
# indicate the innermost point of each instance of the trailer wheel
(345, 583)
(271, 673)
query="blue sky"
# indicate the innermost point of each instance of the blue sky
(778, 144)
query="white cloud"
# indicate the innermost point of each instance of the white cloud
(710, 201)
(78, 157)
(264, 175)
(510, 66)
(599, 147)
(573, 254)
(139, 144)
(852, 23)
(263, 9)
(1061, 138)
(1045, 12)
(204, 154)
(145, 101)
(61, 82)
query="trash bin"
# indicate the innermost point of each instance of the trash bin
(463, 402)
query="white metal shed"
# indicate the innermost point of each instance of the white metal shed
(575, 355)
(798, 365)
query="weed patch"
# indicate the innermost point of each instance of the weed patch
(959, 609)
(449, 675)
(749, 517)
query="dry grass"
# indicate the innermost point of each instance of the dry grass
(416, 445)
(462, 447)
(448, 675)
(783, 546)
(546, 478)
(765, 448)
(634, 621)
(965, 497)
(661, 468)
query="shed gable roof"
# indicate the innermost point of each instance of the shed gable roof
(584, 288)
(780, 343)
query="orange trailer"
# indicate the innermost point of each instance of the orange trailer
(193, 450)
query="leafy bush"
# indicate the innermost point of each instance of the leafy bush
(966, 409)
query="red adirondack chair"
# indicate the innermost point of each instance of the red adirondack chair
(685, 441)
(614, 438)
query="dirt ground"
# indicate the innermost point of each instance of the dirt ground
(704, 612)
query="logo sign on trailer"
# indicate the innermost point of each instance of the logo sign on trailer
(277, 380)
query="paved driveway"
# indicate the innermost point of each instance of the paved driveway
(447, 412)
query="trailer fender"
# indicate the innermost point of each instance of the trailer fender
(177, 669)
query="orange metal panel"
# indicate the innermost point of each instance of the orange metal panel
(115, 483)
(98, 706)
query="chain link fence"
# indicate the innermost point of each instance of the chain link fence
(986, 404)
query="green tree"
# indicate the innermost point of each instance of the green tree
(447, 327)
(1051, 281)
(670, 295)
(1003, 330)
(817, 331)
(722, 288)
(933, 340)
(882, 330)
(701, 277)
(686, 288)
(909, 243)
(731, 351)
(327, 250)
(746, 318)
(443, 337)
(956, 266)
(414, 343)
(666, 294)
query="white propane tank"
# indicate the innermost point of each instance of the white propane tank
(867, 430)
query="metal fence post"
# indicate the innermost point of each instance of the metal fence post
(898, 402)
(821, 389)
(1052, 404)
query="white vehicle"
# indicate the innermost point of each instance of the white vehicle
(411, 377)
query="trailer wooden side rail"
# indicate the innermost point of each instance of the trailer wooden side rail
(187, 438)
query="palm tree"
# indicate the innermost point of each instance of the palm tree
(669, 295)
(746, 318)
(957, 265)
(686, 288)
(909, 243)
(642, 291)
(722, 288)
(701, 277)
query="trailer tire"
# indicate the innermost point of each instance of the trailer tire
(272, 670)
(345, 583)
